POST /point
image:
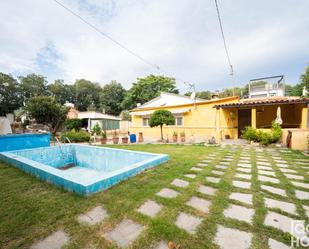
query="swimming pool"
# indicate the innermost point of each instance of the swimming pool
(82, 168)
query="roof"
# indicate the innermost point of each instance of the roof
(96, 115)
(265, 101)
(149, 112)
(169, 99)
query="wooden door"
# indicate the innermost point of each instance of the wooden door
(244, 120)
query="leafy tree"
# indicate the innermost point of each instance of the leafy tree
(148, 88)
(45, 110)
(87, 93)
(297, 90)
(111, 96)
(33, 85)
(73, 124)
(10, 95)
(161, 117)
(61, 92)
(125, 115)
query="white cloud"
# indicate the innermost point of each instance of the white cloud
(180, 36)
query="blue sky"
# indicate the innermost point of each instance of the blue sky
(264, 38)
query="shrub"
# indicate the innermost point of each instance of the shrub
(250, 134)
(73, 123)
(75, 136)
(97, 129)
(276, 132)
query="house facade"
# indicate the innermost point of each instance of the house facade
(224, 118)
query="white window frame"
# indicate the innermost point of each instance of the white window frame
(147, 121)
(182, 119)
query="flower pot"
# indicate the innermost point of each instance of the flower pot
(140, 137)
(103, 140)
(125, 140)
(174, 139)
(115, 140)
(183, 139)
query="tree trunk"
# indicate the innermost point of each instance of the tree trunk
(161, 133)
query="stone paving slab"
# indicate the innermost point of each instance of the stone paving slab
(221, 167)
(274, 244)
(212, 179)
(264, 168)
(263, 163)
(161, 245)
(266, 172)
(217, 172)
(294, 177)
(167, 193)
(207, 190)
(188, 222)
(239, 213)
(229, 238)
(199, 204)
(282, 165)
(207, 161)
(54, 241)
(244, 170)
(150, 208)
(274, 190)
(245, 198)
(202, 165)
(125, 233)
(93, 216)
(302, 195)
(285, 170)
(284, 206)
(300, 184)
(192, 176)
(244, 165)
(281, 222)
(196, 169)
(306, 210)
(225, 163)
(180, 183)
(280, 161)
(241, 184)
(244, 161)
(267, 179)
(244, 176)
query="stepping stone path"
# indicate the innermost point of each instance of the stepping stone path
(150, 208)
(199, 204)
(302, 195)
(225, 163)
(241, 184)
(268, 173)
(202, 165)
(167, 193)
(239, 213)
(245, 198)
(196, 169)
(282, 165)
(190, 176)
(93, 217)
(244, 165)
(274, 190)
(274, 244)
(206, 190)
(125, 233)
(221, 167)
(284, 206)
(267, 179)
(188, 222)
(213, 179)
(228, 238)
(264, 168)
(300, 184)
(244, 170)
(217, 172)
(244, 176)
(263, 163)
(294, 177)
(288, 170)
(180, 183)
(54, 241)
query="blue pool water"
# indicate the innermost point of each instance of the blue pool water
(81, 168)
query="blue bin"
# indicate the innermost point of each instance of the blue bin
(132, 138)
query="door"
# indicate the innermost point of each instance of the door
(244, 120)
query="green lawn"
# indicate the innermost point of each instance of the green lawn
(31, 209)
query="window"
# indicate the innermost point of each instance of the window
(179, 121)
(145, 121)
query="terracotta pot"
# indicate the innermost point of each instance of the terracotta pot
(175, 139)
(183, 139)
(140, 137)
(103, 140)
(115, 140)
(125, 140)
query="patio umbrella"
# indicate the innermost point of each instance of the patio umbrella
(278, 118)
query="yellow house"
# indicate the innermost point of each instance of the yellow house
(224, 118)
(198, 118)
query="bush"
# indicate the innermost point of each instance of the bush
(73, 123)
(250, 134)
(75, 136)
(97, 129)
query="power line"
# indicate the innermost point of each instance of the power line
(224, 42)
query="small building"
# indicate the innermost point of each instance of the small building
(267, 87)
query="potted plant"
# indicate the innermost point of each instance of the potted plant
(115, 137)
(182, 136)
(96, 131)
(125, 139)
(104, 137)
(175, 136)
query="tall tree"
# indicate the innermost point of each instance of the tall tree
(61, 92)
(33, 85)
(160, 118)
(87, 94)
(111, 96)
(148, 88)
(10, 95)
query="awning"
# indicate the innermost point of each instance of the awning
(147, 113)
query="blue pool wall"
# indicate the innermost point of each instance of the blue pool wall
(23, 141)
(56, 177)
